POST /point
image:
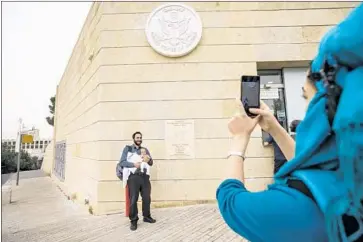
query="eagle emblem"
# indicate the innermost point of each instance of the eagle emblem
(174, 30)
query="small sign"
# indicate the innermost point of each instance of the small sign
(179, 139)
(32, 132)
(272, 93)
(27, 139)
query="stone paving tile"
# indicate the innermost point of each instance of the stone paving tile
(40, 212)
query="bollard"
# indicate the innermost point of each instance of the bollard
(127, 199)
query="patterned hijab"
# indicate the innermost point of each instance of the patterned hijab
(329, 141)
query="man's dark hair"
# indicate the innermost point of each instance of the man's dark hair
(137, 132)
(294, 125)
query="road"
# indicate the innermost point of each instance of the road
(23, 175)
(5, 178)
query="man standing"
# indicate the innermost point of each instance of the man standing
(293, 127)
(279, 158)
(138, 181)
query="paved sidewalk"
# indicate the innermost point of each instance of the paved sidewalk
(40, 212)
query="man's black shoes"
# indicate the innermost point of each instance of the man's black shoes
(133, 226)
(149, 220)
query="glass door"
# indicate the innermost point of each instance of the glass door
(272, 93)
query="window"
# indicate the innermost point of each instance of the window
(295, 104)
(270, 77)
(273, 94)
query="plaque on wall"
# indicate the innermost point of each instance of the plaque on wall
(179, 139)
(272, 93)
(173, 29)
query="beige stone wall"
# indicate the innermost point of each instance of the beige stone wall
(48, 159)
(116, 84)
(74, 98)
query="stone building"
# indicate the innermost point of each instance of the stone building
(37, 148)
(116, 83)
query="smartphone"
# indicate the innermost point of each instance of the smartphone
(250, 93)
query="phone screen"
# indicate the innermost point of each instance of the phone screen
(250, 92)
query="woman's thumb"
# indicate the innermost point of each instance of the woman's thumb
(258, 111)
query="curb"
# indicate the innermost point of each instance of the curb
(6, 191)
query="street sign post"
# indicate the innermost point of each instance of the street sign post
(27, 139)
(25, 136)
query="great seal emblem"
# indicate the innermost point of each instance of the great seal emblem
(173, 30)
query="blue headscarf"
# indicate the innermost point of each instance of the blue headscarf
(329, 141)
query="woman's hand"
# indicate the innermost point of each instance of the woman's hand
(269, 123)
(267, 120)
(241, 125)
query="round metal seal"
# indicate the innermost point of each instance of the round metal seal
(173, 30)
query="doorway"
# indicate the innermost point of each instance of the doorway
(273, 94)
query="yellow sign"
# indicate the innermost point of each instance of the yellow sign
(27, 139)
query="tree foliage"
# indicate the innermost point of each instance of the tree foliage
(9, 161)
(50, 119)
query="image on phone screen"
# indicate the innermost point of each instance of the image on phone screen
(250, 92)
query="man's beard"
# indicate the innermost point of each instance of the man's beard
(138, 143)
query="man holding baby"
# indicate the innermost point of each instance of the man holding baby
(137, 161)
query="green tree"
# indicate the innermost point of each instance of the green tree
(26, 162)
(50, 119)
(9, 161)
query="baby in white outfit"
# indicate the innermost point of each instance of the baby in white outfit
(135, 158)
(143, 166)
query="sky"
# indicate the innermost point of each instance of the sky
(37, 42)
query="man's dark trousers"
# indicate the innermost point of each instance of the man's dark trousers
(139, 183)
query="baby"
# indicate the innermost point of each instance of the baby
(144, 165)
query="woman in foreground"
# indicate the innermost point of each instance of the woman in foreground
(317, 195)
